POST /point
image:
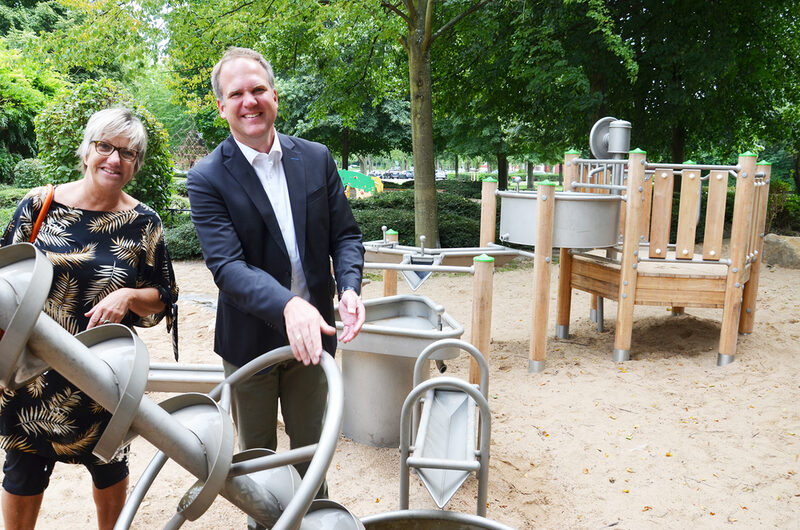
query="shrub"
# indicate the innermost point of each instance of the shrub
(5, 217)
(10, 196)
(59, 132)
(179, 186)
(181, 238)
(7, 163)
(465, 188)
(459, 224)
(28, 173)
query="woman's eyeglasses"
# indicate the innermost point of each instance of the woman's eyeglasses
(105, 149)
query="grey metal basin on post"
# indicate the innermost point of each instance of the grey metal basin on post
(581, 220)
(378, 365)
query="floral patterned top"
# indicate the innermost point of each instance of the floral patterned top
(93, 254)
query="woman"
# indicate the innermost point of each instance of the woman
(110, 264)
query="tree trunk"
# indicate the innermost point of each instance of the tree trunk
(345, 148)
(529, 174)
(678, 144)
(456, 157)
(502, 171)
(796, 160)
(426, 213)
(678, 148)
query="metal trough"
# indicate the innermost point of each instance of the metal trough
(446, 431)
(378, 365)
(581, 220)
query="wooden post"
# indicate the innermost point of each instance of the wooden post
(630, 255)
(488, 212)
(482, 287)
(390, 276)
(740, 230)
(545, 213)
(751, 287)
(565, 259)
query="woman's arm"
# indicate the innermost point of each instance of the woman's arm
(113, 308)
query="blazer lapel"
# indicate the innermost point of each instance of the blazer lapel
(241, 171)
(294, 169)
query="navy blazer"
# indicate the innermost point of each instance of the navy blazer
(244, 249)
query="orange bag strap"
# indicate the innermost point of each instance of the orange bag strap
(51, 190)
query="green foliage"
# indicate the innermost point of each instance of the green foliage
(181, 238)
(59, 131)
(783, 209)
(7, 163)
(179, 186)
(10, 196)
(464, 188)
(5, 216)
(459, 224)
(25, 88)
(28, 173)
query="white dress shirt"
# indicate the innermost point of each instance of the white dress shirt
(269, 169)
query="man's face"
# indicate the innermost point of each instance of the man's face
(248, 102)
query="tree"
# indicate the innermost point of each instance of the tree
(706, 71)
(423, 28)
(59, 132)
(25, 88)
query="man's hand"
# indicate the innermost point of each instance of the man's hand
(352, 313)
(303, 327)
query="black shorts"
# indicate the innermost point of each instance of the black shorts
(29, 474)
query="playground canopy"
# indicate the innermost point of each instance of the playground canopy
(363, 185)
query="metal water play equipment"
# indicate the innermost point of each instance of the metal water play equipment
(110, 364)
(451, 440)
(647, 263)
(378, 365)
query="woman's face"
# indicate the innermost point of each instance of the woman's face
(109, 171)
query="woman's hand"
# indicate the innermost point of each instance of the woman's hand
(114, 307)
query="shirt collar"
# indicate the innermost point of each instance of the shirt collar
(250, 154)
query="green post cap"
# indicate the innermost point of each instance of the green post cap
(490, 179)
(748, 153)
(391, 232)
(483, 258)
(572, 152)
(764, 164)
(639, 151)
(545, 182)
(690, 162)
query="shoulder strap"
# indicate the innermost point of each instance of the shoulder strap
(43, 212)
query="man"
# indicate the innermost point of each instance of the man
(271, 213)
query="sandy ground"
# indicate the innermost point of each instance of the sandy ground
(666, 440)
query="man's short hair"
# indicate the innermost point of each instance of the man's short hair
(235, 53)
(108, 123)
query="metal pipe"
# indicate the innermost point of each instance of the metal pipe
(710, 167)
(620, 161)
(411, 267)
(293, 456)
(598, 186)
(139, 491)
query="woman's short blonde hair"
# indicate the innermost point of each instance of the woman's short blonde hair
(108, 123)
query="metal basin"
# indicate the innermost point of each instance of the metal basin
(403, 325)
(378, 365)
(581, 220)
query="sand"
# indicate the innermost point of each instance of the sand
(666, 440)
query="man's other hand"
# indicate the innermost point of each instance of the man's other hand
(303, 327)
(352, 313)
